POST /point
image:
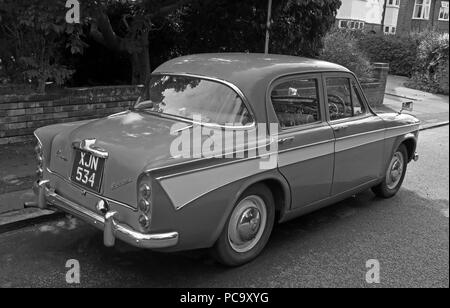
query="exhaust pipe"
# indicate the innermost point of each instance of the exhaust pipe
(39, 189)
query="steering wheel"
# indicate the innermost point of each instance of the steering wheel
(333, 102)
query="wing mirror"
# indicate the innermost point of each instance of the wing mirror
(406, 106)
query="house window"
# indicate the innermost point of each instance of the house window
(394, 2)
(443, 12)
(343, 24)
(351, 24)
(390, 30)
(422, 9)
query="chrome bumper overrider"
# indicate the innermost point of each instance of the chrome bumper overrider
(112, 229)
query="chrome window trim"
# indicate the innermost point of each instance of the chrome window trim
(351, 119)
(213, 125)
(91, 192)
(38, 140)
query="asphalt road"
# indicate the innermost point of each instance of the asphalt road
(408, 235)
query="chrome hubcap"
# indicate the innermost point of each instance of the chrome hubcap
(247, 224)
(395, 171)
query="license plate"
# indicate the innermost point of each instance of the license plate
(87, 170)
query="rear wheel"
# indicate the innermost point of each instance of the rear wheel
(248, 228)
(394, 174)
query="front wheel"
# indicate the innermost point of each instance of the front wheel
(394, 175)
(248, 228)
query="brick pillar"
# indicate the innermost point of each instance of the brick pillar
(380, 72)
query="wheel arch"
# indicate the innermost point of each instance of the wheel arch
(277, 185)
(410, 144)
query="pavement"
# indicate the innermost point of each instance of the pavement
(408, 235)
(431, 109)
(17, 165)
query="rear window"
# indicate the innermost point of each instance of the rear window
(186, 97)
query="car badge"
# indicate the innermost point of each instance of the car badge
(124, 182)
(60, 155)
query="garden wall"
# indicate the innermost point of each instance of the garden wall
(21, 114)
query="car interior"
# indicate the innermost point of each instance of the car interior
(296, 102)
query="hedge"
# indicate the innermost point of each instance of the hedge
(399, 51)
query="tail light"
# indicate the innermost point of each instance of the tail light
(40, 161)
(145, 205)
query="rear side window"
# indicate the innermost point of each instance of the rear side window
(296, 102)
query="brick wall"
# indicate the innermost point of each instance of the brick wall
(21, 114)
(376, 88)
(407, 24)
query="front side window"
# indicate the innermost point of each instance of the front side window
(422, 9)
(443, 11)
(357, 102)
(343, 101)
(296, 102)
(187, 97)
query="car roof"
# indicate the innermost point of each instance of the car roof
(240, 68)
(252, 73)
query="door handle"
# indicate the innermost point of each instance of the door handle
(285, 140)
(340, 127)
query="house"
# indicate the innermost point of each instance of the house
(394, 16)
(421, 15)
(364, 15)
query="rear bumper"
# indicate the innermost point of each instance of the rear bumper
(109, 223)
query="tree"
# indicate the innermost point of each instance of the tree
(152, 31)
(191, 26)
(34, 34)
(298, 26)
(136, 21)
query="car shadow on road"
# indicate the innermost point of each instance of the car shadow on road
(291, 240)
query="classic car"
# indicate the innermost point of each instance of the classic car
(121, 175)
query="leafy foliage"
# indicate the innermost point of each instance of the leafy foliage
(399, 51)
(341, 47)
(431, 70)
(39, 44)
(35, 32)
(300, 25)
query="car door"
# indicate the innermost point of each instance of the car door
(358, 131)
(305, 139)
